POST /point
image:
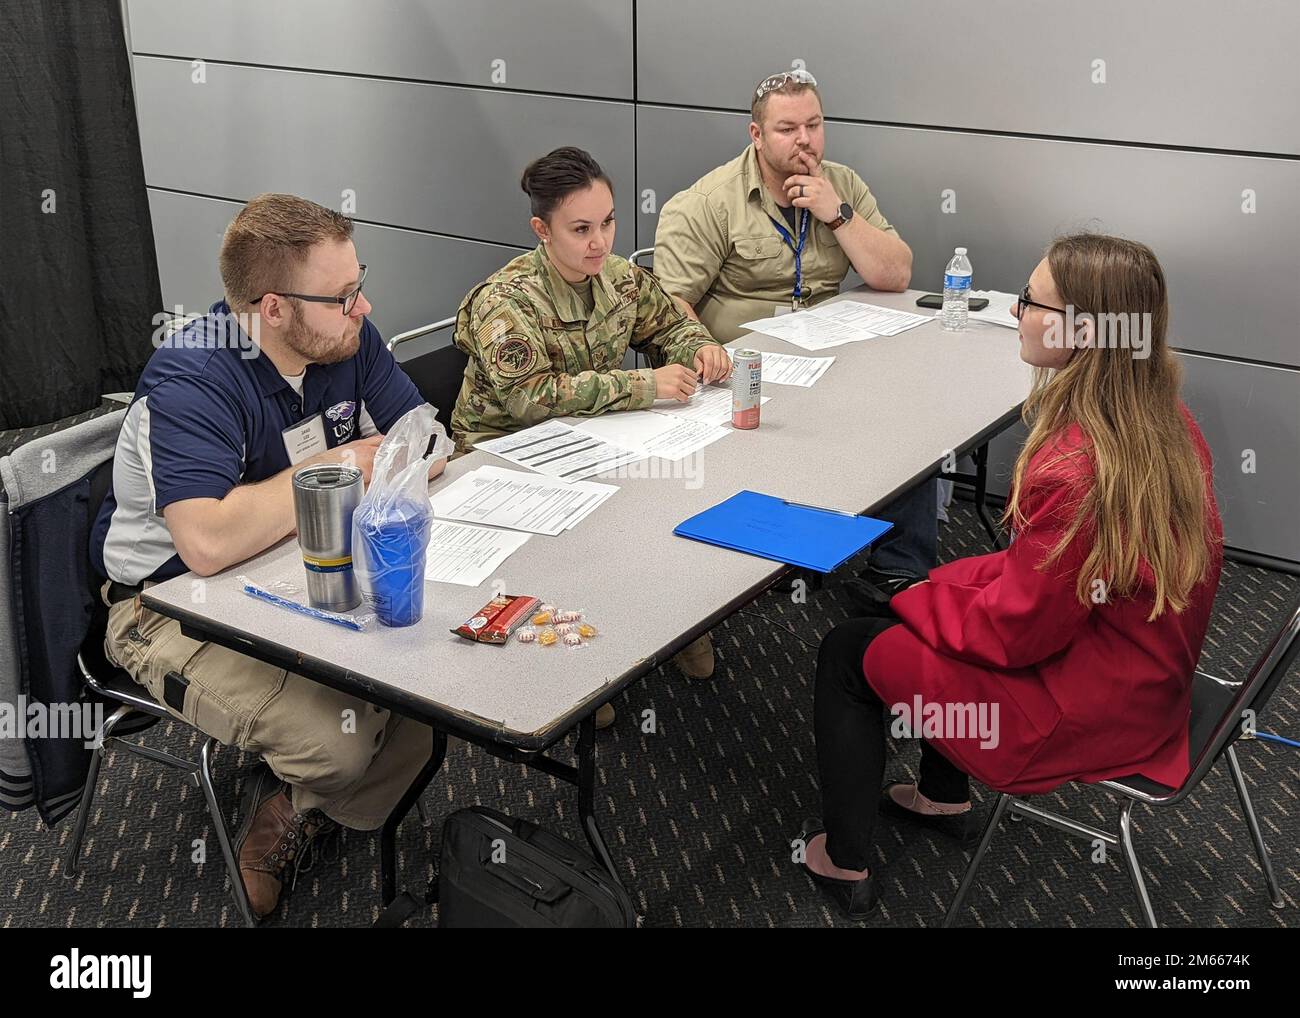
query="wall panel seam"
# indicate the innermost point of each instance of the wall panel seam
(468, 86)
(992, 133)
(366, 222)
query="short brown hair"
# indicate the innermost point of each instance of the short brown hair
(791, 87)
(268, 242)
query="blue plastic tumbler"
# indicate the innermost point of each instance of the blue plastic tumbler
(388, 549)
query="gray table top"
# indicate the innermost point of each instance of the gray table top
(886, 413)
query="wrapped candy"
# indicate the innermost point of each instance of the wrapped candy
(496, 620)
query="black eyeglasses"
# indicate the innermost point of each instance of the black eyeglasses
(348, 300)
(1024, 299)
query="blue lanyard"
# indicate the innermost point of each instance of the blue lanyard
(797, 299)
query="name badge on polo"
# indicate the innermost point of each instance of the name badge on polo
(305, 439)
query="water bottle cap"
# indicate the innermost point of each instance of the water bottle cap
(961, 250)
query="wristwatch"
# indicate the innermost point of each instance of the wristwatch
(846, 213)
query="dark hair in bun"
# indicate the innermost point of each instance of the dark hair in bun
(552, 178)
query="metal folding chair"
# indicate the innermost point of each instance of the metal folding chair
(438, 373)
(1218, 709)
(137, 712)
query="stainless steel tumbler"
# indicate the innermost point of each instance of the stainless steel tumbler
(324, 498)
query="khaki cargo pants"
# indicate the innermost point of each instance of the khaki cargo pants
(341, 755)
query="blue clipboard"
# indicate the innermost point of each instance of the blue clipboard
(789, 532)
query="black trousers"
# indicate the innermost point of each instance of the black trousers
(851, 723)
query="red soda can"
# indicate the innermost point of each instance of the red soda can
(746, 388)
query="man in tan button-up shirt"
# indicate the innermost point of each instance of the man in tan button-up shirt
(725, 248)
(719, 246)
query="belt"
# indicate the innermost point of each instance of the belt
(118, 592)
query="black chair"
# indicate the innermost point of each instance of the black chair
(137, 712)
(437, 374)
(1220, 709)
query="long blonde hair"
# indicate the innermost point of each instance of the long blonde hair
(1147, 500)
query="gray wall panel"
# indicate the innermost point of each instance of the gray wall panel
(1240, 407)
(1014, 194)
(431, 157)
(582, 47)
(1178, 72)
(414, 278)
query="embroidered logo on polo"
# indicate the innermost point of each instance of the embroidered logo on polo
(342, 417)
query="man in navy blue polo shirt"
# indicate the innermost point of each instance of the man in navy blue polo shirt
(285, 372)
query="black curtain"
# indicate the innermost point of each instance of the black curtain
(78, 273)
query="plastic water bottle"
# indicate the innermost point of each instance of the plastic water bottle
(956, 291)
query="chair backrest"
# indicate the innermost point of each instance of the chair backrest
(1253, 694)
(54, 484)
(92, 649)
(437, 374)
(644, 256)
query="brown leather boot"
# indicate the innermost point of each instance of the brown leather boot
(272, 839)
(696, 659)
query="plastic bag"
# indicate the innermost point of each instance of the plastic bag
(390, 528)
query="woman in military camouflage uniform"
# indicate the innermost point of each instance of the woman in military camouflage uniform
(547, 334)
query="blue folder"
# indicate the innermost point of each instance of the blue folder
(772, 528)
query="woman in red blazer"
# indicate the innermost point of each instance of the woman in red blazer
(1069, 656)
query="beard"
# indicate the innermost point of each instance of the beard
(796, 165)
(321, 348)
(789, 166)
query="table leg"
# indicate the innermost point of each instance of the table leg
(981, 458)
(388, 835)
(587, 794)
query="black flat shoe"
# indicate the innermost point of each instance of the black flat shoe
(856, 899)
(961, 827)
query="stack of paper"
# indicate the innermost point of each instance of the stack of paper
(651, 433)
(791, 369)
(809, 331)
(711, 404)
(836, 323)
(572, 449)
(496, 497)
(869, 317)
(561, 451)
(459, 553)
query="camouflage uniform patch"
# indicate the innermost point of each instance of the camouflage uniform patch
(514, 357)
